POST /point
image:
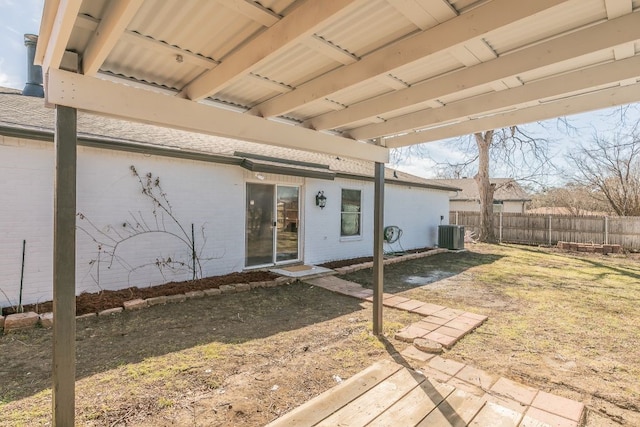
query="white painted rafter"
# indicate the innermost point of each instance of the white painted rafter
(609, 97)
(288, 31)
(485, 18)
(605, 74)
(61, 27)
(505, 68)
(115, 21)
(107, 98)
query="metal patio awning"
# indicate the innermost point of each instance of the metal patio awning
(351, 78)
(336, 75)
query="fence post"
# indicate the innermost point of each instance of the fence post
(549, 230)
(500, 239)
(457, 218)
(606, 230)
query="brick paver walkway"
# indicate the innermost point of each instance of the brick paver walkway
(444, 393)
(440, 324)
(470, 396)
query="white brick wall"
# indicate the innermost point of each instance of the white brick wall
(415, 210)
(208, 195)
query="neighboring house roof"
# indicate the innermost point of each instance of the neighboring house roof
(27, 117)
(507, 189)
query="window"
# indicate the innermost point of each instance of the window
(350, 213)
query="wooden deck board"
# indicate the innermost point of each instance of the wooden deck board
(333, 399)
(364, 409)
(416, 405)
(458, 409)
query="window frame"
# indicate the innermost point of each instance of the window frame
(358, 214)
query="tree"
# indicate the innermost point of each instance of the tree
(610, 167)
(572, 198)
(513, 151)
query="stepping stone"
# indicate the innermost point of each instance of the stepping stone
(476, 377)
(448, 366)
(535, 417)
(428, 309)
(109, 311)
(135, 304)
(519, 392)
(46, 320)
(20, 321)
(427, 345)
(496, 415)
(410, 305)
(559, 405)
(410, 333)
(413, 353)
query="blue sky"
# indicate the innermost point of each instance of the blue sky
(18, 17)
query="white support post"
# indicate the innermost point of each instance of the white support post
(606, 230)
(64, 268)
(549, 231)
(500, 239)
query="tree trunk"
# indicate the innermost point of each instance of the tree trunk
(485, 188)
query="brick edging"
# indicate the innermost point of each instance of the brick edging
(20, 321)
(394, 260)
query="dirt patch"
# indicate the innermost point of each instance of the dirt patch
(235, 360)
(103, 300)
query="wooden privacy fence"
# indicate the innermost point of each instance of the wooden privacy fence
(550, 229)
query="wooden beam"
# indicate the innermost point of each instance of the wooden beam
(46, 27)
(378, 253)
(604, 36)
(599, 99)
(112, 25)
(485, 18)
(600, 75)
(128, 103)
(300, 23)
(64, 268)
(66, 15)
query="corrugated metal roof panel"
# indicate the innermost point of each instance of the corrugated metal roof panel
(247, 92)
(551, 22)
(296, 66)
(431, 66)
(373, 25)
(200, 26)
(135, 61)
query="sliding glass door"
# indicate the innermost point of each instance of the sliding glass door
(272, 224)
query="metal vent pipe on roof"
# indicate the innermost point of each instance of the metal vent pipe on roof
(33, 87)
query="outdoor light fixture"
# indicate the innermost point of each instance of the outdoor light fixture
(321, 200)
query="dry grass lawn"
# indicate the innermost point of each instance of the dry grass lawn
(565, 323)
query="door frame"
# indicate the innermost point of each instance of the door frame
(275, 186)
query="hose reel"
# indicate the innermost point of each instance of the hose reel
(392, 233)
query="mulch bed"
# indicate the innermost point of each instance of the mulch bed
(352, 261)
(103, 300)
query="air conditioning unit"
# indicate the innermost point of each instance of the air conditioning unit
(451, 236)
